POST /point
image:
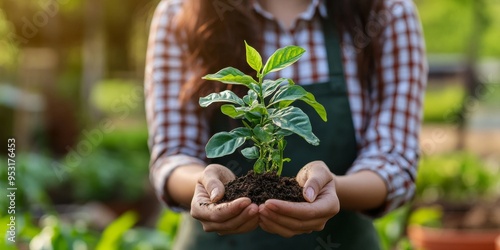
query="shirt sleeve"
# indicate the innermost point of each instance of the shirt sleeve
(177, 132)
(390, 145)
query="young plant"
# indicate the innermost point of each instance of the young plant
(265, 111)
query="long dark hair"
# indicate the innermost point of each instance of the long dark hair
(214, 30)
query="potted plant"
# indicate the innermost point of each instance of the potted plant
(267, 117)
(457, 204)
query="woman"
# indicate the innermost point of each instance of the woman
(365, 63)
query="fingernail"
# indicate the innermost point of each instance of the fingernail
(214, 193)
(310, 193)
(272, 207)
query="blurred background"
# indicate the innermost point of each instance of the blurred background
(71, 95)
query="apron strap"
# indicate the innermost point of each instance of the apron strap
(334, 55)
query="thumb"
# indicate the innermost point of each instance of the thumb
(314, 176)
(212, 179)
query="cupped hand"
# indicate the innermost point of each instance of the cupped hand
(238, 216)
(292, 218)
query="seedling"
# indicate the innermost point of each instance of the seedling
(266, 111)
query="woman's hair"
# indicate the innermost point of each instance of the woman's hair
(214, 32)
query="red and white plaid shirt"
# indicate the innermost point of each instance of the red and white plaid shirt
(387, 132)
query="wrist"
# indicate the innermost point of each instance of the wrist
(361, 191)
(180, 184)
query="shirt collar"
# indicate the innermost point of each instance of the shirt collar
(308, 14)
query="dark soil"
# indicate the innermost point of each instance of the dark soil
(261, 187)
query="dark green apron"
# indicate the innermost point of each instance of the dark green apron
(347, 230)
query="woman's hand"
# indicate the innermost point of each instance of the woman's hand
(291, 218)
(238, 216)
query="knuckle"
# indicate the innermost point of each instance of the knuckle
(335, 209)
(314, 182)
(211, 183)
(211, 167)
(319, 163)
(211, 170)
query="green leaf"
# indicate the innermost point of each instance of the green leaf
(261, 134)
(276, 156)
(260, 166)
(258, 109)
(225, 143)
(269, 128)
(283, 58)
(224, 96)
(295, 120)
(253, 117)
(251, 153)
(251, 97)
(288, 93)
(112, 234)
(233, 112)
(253, 58)
(283, 132)
(231, 75)
(255, 87)
(309, 99)
(270, 86)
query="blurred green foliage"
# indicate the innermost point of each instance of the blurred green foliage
(26, 230)
(426, 216)
(119, 235)
(442, 103)
(110, 176)
(451, 186)
(33, 179)
(116, 169)
(112, 234)
(9, 50)
(454, 178)
(56, 234)
(491, 46)
(114, 97)
(457, 177)
(391, 228)
(447, 26)
(491, 95)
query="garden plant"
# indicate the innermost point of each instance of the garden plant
(266, 115)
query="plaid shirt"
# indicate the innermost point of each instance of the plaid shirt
(387, 131)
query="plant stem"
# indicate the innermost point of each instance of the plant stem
(261, 94)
